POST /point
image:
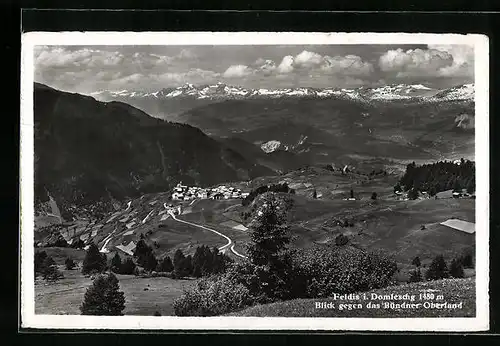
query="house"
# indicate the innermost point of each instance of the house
(456, 194)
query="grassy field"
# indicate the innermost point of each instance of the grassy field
(143, 296)
(453, 291)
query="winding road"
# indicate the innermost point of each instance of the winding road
(224, 247)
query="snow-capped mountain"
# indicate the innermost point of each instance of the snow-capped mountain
(222, 91)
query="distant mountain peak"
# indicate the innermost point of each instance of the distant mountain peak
(223, 91)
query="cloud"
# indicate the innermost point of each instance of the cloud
(286, 65)
(435, 61)
(351, 65)
(307, 60)
(236, 71)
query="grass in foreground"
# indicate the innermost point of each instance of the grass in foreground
(143, 296)
(452, 290)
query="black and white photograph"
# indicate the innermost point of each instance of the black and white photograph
(255, 181)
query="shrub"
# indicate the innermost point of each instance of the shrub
(70, 264)
(104, 297)
(374, 196)
(157, 313)
(456, 268)
(438, 269)
(212, 297)
(94, 261)
(343, 271)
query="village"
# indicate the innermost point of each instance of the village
(188, 193)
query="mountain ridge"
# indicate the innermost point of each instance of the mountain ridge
(221, 91)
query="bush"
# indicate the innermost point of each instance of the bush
(374, 196)
(157, 313)
(104, 297)
(212, 297)
(456, 268)
(438, 269)
(342, 271)
(70, 264)
(94, 261)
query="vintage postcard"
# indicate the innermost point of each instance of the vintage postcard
(254, 181)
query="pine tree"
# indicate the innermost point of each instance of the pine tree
(416, 261)
(128, 267)
(352, 193)
(69, 263)
(456, 268)
(179, 264)
(51, 273)
(315, 194)
(149, 261)
(415, 276)
(199, 261)
(457, 187)
(104, 297)
(94, 261)
(471, 186)
(270, 236)
(40, 257)
(166, 265)
(438, 269)
(116, 263)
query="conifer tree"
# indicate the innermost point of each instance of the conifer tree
(94, 261)
(128, 267)
(116, 263)
(166, 265)
(438, 269)
(104, 297)
(416, 261)
(69, 263)
(456, 268)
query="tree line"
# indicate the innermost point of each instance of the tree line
(439, 176)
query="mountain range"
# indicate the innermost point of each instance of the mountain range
(221, 91)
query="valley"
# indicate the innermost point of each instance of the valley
(106, 174)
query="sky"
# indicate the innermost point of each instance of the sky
(87, 69)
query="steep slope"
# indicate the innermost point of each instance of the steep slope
(89, 153)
